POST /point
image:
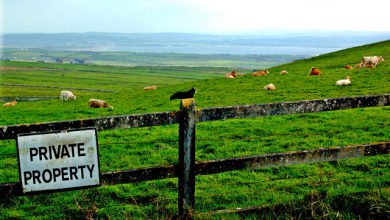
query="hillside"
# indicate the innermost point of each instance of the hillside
(148, 59)
(353, 188)
(218, 91)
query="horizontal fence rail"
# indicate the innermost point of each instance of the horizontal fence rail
(283, 108)
(27, 98)
(57, 87)
(202, 115)
(230, 164)
(104, 123)
(292, 158)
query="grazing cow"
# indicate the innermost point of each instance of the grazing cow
(348, 67)
(97, 103)
(147, 88)
(344, 82)
(314, 72)
(283, 72)
(231, 75)
(370, 65)
(67, 95)
(372, 61)
(260, 73)
(359, 65)
(9, 104)
(269, 87)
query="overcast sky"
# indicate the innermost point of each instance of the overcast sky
(194, 16)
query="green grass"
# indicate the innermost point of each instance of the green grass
(214, 91)
(353, 188)
(153, 59)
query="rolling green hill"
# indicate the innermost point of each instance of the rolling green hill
(213, 91)
(353, 188)
(150, 59)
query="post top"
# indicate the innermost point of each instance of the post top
(186, 102)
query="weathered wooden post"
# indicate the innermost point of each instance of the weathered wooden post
(186, 203)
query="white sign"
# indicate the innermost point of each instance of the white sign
(58, 160)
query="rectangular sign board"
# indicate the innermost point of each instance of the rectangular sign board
(58, 160)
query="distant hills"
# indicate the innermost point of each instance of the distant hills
(253, 51)
(298, 43)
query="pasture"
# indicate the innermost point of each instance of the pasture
(151, 59)
(329, 190)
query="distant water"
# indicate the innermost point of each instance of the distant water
(288, 43)
(223, 49)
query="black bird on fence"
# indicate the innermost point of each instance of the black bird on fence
(184, 95)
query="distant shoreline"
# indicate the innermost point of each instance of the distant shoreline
(123, 58)
(294, 43)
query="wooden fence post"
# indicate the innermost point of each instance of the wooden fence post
(186, 203)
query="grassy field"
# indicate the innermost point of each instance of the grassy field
(151, 59)
(354, 188)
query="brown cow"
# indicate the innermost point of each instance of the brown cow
(348, 67)
(97, 103)
(260, 73)
(370, 65)
(231, 75)
(9, 104)
(359, 65)
(314, 72)
(147, 88)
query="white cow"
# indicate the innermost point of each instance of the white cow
(283, 72)
(371, 61)
(67, 95)
(344, 82)
(269, 87)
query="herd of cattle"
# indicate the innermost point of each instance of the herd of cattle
(367, 61)
(93, 103)
(68, 95)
